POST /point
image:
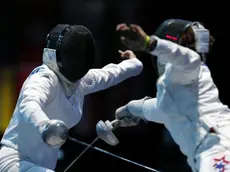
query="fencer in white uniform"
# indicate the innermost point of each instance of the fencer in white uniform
(187, 100)
(52, 97)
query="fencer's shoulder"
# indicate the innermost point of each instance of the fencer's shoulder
(205, 68)
(163, 44)
(43, 72)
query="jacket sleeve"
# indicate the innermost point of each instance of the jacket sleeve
(35, 93)
(146, 108)
(185, 62)
(110, 75)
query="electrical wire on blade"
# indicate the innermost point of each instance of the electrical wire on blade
(103, 151)
(88, 146)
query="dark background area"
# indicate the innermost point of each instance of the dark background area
(23, 29)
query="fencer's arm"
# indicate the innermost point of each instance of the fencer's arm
(179, 56)
(110, 75)
(35, 93)
(145, 108)
(37, 90)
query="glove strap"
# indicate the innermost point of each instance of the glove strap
(147, 41)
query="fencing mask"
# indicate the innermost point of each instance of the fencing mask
(75, 49)
(173, 29)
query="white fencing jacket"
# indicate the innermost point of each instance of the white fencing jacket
(187, 100)
(43, 97)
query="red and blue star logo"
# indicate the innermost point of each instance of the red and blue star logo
(220, 164)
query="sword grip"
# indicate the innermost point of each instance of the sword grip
(113, 124)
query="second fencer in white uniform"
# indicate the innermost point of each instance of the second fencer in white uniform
(187, 100)
(52, 97)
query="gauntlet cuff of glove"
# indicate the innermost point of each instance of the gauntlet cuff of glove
(150, 44)
(135, 107)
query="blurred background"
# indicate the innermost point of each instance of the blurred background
(24, 25)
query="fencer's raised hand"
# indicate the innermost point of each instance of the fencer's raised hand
(53, 132)
(127, 119)
(133, 37)
(128, 54)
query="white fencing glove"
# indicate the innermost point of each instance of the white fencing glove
(126, 117)
(131, 113)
